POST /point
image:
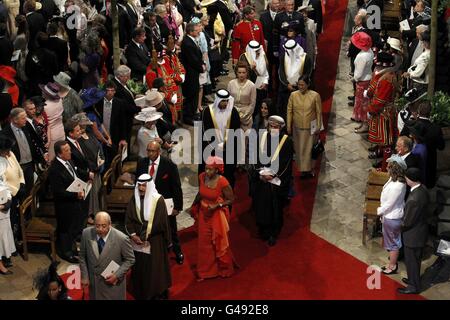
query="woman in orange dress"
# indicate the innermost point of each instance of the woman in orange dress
(211, 207)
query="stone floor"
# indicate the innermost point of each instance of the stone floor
(337, 215)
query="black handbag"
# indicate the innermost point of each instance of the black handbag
(317, 149)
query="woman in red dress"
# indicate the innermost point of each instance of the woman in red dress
(211, 206)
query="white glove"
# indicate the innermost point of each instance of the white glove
(174, 98)
(369, 116)
(276, 54)
(183, 76)
(365, 94)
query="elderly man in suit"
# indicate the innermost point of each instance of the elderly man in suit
(167, 180)
(414, 230)
(191, 57)
(69, 208)
(28, 148)
(122, 75)
(137, 54)
(102, 245)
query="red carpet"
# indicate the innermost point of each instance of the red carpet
(301, 265)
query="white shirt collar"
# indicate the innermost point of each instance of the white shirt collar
(62, 161)
(138, 44)
(74, 142)
(106, 100)
(405, 155)
(415, 187)
(105, 238)
(156, 161)
(272, 14)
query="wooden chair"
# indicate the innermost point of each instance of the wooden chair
(375, 183)
(35, 230)
(115, 196)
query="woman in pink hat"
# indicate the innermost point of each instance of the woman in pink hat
(361, 77)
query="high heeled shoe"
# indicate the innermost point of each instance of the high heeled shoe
(389, 271)
(6, 273)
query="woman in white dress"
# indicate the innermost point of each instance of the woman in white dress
(7, 247)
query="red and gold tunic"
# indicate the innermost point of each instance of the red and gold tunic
(244, 32)
(382, 125)
(178, 73)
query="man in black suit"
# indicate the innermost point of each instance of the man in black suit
(24, 148)
(79, 153)
(122, 75)
(433, 139)
(137, 54)
(125, 24)
(57, 46)
(421, 16)
(153, 33)
(69, 207)
(49, 9)
(132, 13)
(192, 59)
(414, 230)
(36, 22)
(167, 181)
(267, 19)
(112, 111)
(315, 14)
(7, 46)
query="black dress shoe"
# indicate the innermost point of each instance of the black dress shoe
(272, 241)
(405, 281)
(71, 259)
(352, 98)
(350, 103)
(179, 258)
(407, 290)
(6, 273)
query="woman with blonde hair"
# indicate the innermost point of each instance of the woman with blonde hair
(392, 202)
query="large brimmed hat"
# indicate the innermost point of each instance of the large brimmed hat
(50, 90)
(361, 40)
(395, 43)
(82, 119)
(153, 98)
(91, 96)
(307, 8)
(148, 114)
(63, 79)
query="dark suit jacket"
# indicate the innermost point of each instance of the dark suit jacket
(36, 23)
(133, 16)
(33, 141)
(137, 59)
(59, 47)
(278, 30)
(192, 60)
(117, 128)
(267, 24)
(163, 29)
(414, 225)
(80, 161)
(49, 9)
(412, 161)
(6, 51)
(167, 180)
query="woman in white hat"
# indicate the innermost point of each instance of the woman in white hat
(396, 50)
(148, 132)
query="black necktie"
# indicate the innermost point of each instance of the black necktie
(101, 244)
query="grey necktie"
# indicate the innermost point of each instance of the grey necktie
(69, 166)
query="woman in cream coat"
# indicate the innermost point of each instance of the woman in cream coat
(304, 120)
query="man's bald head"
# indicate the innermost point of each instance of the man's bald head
(153, 150)
(102, 223)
